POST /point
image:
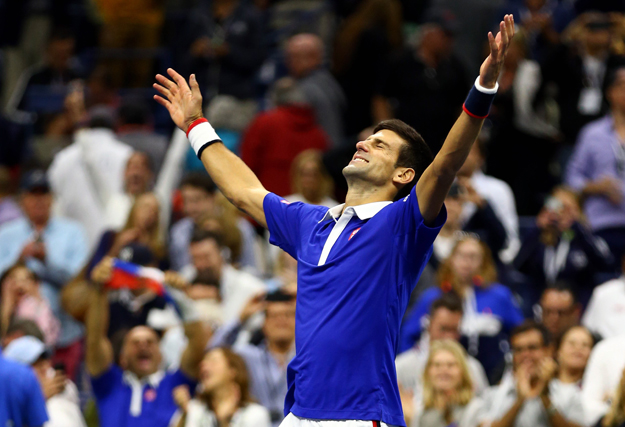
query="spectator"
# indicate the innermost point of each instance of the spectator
(235, 286)
(19, 328)
(136, 392)
(85, 174)
(267, 362)
(448, 392)
(61, 394)
(604, 315)
(54, 249)
(578, 68)
(425, 85)
(9, 210)
(601, 378)
(275, 138)
(304, 59)
(490, 308)
(198, 198)
(561, 247)
(572, 352)
(495, 193)
(227, 49)
(21, 400)
(616, 415)
(559, 309)
(21, 298)
(135, 127)
(310, 182)
(443, 324)
(482, 221)
(530, 395)
(225, 399)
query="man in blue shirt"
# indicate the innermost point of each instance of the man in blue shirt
(358, 262)
(137, 392)
(21, 399)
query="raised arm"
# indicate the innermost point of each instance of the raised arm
(98, 352)
(231, 175)
(436, 181)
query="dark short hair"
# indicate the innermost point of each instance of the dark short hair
(450, 301)
(414, 154)
(531, 325)
(25, 326)
(199, 235)
(199, 180)
(562, 286)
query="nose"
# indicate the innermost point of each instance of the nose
(362, 145)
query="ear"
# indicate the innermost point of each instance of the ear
(403, 176)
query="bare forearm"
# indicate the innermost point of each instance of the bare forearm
(235, 180)
(98, 354)
(197, 337)
(508, 419)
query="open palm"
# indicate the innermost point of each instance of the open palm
(491, 67)
(184, 103)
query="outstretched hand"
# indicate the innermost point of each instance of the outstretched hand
(491, 67)
(184, 103)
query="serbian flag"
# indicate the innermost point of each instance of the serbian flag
(127, 275)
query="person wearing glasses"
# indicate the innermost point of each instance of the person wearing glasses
(558, 309)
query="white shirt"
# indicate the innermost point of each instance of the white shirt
(602, 377)
(500, 197)
(64, 408)
(605, 314)
(84, 175)
(252, 415)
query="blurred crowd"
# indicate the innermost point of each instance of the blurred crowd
(518, 318)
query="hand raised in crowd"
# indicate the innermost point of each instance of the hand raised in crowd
(124, 238)
(528, 386)
(175, 280)
(547, 371)
(34, 250)
(256, 304)
(102, 273)
(183, 103)
(182, 397)
(470, 195)
(53, 385)
(492, 65)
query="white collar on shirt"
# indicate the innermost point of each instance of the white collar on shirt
(366, 211)
(136, 385)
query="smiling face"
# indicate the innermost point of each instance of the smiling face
(141, 354)
(445, 372)
(575, 348)
(528, 349)
(146, 212)
(375, 162)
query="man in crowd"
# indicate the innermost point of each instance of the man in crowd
(304, 60)
(528, 396)
(136, 392)
(267, 362)
(605, 314)
(54, 249)
(444, 323)
(559, 310)
(235, 286)
(597, 165)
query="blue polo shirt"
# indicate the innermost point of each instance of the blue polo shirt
(21, 399)
(113, 393)
(350, 302)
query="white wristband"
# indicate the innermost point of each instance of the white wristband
(202, 135)
(483, 89)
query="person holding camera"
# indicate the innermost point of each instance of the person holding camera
(561, 247)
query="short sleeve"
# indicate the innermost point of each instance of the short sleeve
(284, 220)
(33, 404)
(104, 384)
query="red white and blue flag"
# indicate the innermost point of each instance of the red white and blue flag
(127, 275)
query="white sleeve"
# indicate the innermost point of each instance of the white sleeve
(198, 415)
(589, 319)
(595, 386)
(478, 375)
(506, 211)
(255, 416)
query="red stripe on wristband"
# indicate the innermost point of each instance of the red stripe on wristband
(195, 123)
(464, 108)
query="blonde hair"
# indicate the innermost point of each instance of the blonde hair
(616, 414)
(157, 242)
(486, 276)
(464, 393)
(326, 186)
(226, 217)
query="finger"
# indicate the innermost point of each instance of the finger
(180, 81)
(163, 91)
(165, 81)
(195, 87)
(504, 35)
(165, 103)
(493, 45)
(510, 26)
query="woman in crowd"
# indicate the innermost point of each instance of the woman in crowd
(490, 309)
(310, 180)
(21, 298)
(616, 415)
(448, 397)
(572, 353)
(225, 399)
(561, 247)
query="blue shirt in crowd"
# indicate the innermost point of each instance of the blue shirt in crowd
(66, 253)
(125, 401)
(21, 399)
(356, 271)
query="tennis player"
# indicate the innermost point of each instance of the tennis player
(357, 262)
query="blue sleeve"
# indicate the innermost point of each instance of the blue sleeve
(104, 384)
(411, 329)
(512, 314)
(284, 220)
(178, 377)
(34, 411)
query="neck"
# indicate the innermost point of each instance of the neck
(448, 229)
(596, 51)
(39, 225)
(280, 349)
(619, 118)
(363, 193)
(570, 376)
(223, 394)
